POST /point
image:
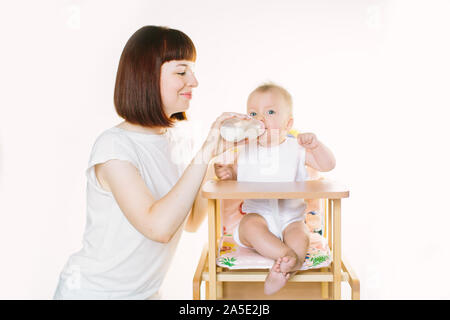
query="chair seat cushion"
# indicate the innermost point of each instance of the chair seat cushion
(232, 256)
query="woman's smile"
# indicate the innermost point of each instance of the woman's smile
(187, 95)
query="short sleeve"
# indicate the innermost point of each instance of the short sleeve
(110, 146)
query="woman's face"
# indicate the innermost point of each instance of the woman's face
(176, 82)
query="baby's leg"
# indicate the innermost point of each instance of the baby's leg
(296, 236)
(254, 233)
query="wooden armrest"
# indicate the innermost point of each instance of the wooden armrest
(312, 189)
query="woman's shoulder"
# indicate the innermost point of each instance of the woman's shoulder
(112, 137)
(113, 133)
(113, 144)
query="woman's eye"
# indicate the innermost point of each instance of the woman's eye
(182, 73)
(252, 114)
(271, 112)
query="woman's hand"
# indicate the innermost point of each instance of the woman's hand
(215, 144)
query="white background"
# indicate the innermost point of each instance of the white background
(370, 78)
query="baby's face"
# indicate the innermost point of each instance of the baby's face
(270, 108)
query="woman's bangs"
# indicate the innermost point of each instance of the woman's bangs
(179, 46)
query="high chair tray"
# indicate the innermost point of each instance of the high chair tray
(311, 189)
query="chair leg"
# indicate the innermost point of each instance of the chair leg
(219, 286)
(218, 236)
(356, 292)
(212, 249)
(196, 290)
(329, 223)
(352, 280)
(336, 249)
(330, 290)
(324, 286)
(197, 280)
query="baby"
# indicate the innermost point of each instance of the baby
(275, 228)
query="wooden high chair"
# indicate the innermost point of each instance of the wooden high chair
(225, 284)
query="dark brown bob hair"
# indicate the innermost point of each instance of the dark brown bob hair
(137, 93)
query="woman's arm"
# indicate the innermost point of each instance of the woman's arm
(218, 169)
(159, 220)
(200, 206)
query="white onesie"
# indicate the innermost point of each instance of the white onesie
(282, 163)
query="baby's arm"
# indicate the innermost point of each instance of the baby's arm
(227, 170)
(318, 156)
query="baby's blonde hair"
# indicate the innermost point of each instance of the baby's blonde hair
(270, 86)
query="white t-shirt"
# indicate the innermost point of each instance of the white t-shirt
(117, 261)
(282, 163)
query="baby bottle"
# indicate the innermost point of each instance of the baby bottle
(235, 130)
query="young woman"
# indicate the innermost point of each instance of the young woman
(139, 198)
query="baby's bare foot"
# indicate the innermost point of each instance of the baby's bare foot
(275, 280)
(288, 264)
(276, 265)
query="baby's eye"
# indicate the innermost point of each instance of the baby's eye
(252, 114)
(271, 112)
(182, 73)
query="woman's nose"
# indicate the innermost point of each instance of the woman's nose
(193, 81)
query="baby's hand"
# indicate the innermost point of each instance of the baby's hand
(224, 171)
(308, 140)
